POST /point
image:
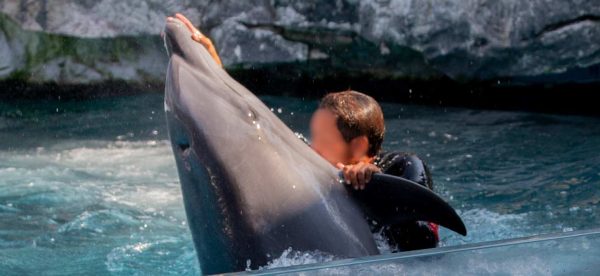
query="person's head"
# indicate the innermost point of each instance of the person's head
(348, 127)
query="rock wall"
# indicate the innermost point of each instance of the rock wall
(87, 41)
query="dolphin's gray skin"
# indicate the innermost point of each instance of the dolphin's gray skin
(251, 188)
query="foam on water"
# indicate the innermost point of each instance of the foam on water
(291, 257)
(118, 200)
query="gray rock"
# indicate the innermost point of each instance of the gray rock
(487, 39)
(7, 62)
(463, 39)
(39, 57)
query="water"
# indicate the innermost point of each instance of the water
(90, 187)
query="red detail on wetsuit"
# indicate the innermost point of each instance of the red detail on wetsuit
(434, 227)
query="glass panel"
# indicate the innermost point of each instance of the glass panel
(572, 253)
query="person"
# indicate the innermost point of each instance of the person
(347, 130)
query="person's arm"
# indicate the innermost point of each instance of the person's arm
(359, 174)
(407, 166)
(199, 37)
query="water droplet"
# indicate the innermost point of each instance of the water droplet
(279, 110)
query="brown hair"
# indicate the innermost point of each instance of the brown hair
(357, 114)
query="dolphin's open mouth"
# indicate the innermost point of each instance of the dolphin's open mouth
(172, 35)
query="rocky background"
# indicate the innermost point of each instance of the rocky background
(82, 42)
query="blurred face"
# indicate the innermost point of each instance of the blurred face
(327, 140)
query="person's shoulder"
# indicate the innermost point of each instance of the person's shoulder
(404, 164)
(388, 159)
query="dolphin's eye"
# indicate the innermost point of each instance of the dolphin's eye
(183, 146)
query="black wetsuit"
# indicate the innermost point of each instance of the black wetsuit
(409, 235)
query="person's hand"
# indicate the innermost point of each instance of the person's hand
(199, 37)
(359, 174)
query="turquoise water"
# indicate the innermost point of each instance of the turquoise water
(90, 187)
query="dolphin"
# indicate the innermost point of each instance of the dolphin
(251, 188)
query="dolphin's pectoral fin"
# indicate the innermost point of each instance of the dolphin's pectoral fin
(390, 199)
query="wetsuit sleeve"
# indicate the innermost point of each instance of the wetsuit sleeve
(407, 166)
(416, 234)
